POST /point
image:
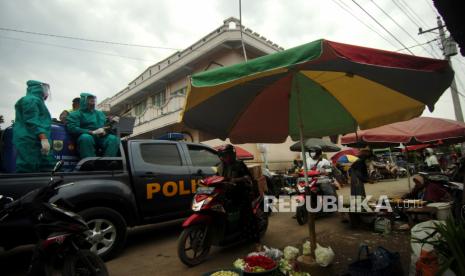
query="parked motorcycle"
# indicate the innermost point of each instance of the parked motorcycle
(217, 220)
(318, 185)
(62, 235)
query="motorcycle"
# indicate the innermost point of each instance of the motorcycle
(217, 220)
(63, 241)
(318, 185)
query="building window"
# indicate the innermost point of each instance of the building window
(159, 99)
(181, 91)
(140, 108)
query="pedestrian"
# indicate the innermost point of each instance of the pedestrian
(31, 130)
(359, 173)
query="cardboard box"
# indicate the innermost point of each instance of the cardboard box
(255, 170)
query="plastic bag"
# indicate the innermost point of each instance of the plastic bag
(273, 253)
(306, 248)
(290, 253)
(324, 256)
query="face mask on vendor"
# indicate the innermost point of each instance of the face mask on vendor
(312, 154)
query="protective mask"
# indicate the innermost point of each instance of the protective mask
(46, 90)
(312, 154)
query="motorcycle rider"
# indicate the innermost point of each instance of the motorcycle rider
(316, 161)
(236, 172)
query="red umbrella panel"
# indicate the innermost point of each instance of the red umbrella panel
(415, 131)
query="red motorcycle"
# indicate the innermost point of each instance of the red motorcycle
(318, 185)
(218, 220)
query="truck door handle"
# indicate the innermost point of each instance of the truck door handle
(150, 174)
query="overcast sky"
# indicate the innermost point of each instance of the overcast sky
(178, 24)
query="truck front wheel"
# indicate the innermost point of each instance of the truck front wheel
(108, 231)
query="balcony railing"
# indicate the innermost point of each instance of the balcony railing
(173, 105)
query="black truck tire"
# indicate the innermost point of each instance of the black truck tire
(109, 231)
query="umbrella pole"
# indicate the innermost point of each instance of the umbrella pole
(311, 216)
(408, 168)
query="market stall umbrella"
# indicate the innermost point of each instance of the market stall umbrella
(420, 130)
(347, 159)
(317, 89)
(241, 153)
(349, 151)
(311, 143)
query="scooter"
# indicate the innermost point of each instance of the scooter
(217, 220)
(63, 241)
(318, 185)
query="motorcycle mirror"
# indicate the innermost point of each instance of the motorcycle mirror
(6, 199)
(57, 167)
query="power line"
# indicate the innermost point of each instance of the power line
(88, 40)
(418, 45)
(403, 29)
(73, 48)
(382, 26)
(405, 11)
(346, 8)
(413, 12)
(417, 24)
(431, 6)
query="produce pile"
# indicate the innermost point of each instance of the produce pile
(284, 262)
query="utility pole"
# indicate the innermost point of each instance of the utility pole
(448, 50)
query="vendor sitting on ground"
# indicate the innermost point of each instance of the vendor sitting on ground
(87, 124)
(431, 191)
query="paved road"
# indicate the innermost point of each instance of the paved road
(151, 250)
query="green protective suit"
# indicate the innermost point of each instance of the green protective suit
(80, 122)
(32, 119)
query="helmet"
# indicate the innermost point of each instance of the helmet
(227, 149)
(317, 150)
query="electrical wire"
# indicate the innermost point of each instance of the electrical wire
(73, 48)
(347, 9)
(403, 29)
(413, 12)
(417, 45)
(382, 26)
(431, 6)
(87, 39)
(409, 17)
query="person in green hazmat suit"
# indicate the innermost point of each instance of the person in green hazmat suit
(31, 130)
(87, 124)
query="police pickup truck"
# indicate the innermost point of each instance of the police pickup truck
(153, 181)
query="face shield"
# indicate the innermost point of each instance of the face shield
(45, 90)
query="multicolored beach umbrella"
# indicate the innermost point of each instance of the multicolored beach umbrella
(347, 159)
(313, 90)
(321, 88)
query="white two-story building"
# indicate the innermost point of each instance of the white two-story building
(157, 96)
